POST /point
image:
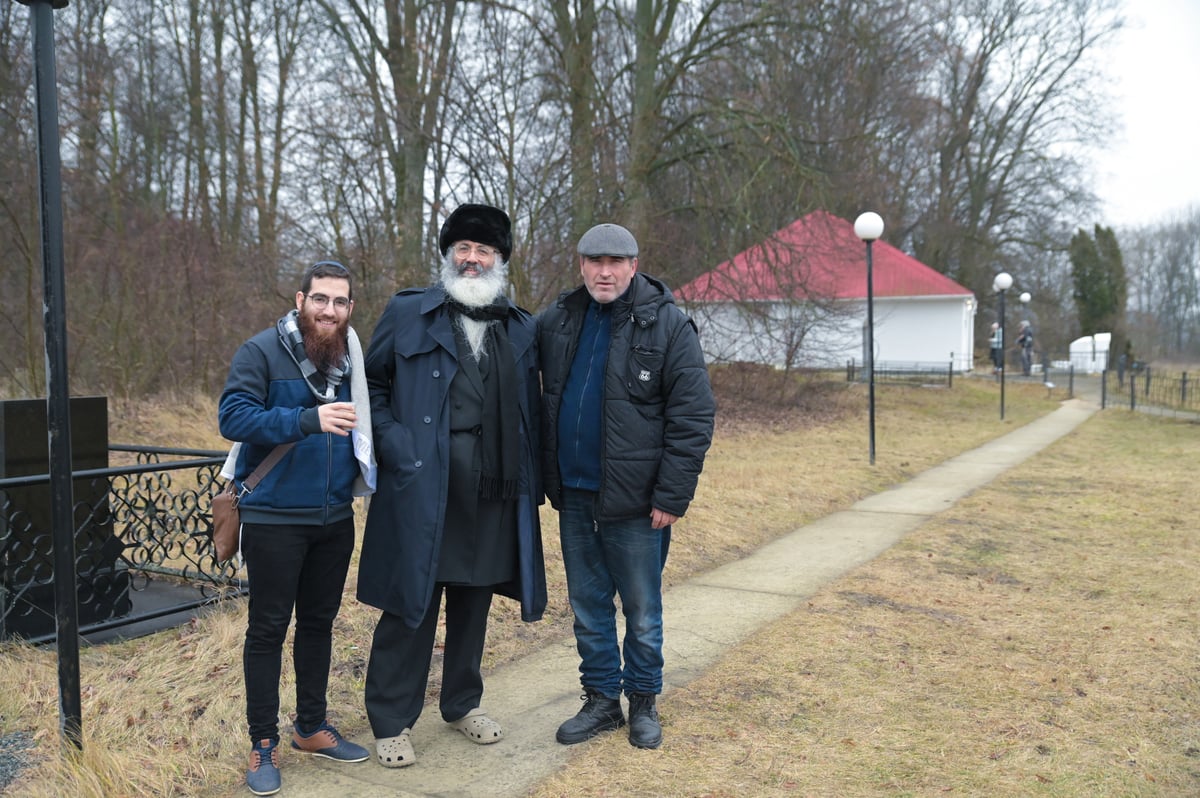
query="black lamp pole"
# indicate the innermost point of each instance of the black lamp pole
(58, 403)
(869, 227)
(871, 352)
(1000, 284)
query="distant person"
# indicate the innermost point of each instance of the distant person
(292, 384)
(997, 348)
(627, 419)
(453, 375)
(1025, 342)
(1124, 362)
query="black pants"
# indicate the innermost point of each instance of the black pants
(398, 671)
(301, 567)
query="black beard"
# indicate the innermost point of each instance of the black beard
(323, 349)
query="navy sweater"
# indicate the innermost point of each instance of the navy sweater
(579, 430)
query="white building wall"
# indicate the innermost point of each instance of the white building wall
(914, 331)
(925, 330)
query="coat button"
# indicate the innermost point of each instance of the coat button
(418, 464)
(437, 373)
(428, 419)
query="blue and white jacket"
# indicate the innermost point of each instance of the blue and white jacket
(267, 402)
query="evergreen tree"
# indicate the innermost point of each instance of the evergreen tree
(1098, 272)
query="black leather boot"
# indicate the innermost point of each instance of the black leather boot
(644, 729)
(599, 714)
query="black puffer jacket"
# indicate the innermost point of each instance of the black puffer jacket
(658, 404)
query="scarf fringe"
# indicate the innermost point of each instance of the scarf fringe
(496, 488)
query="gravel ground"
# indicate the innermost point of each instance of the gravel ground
(12, 749)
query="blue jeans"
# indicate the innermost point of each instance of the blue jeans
(603, 559)
(291, 567)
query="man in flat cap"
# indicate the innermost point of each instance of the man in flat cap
(627, 417)
(452, 373)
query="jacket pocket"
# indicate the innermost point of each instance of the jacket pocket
(643, 379)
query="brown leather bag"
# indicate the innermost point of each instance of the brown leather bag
(226, 518)
(226, 523)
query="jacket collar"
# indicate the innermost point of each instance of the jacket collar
(434, 299)
(641, 302)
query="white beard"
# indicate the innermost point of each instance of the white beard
(474, 292)
(476, 332)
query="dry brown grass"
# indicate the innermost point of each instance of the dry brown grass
(163, 715)
(1039, 638)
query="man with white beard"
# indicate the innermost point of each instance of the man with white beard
(452, 372)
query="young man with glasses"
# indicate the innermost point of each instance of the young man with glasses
(300, 382)
(454, 395)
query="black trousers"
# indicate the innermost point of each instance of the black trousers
(301, 567)
(398, 671)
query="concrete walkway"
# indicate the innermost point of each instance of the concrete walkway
(705, 617)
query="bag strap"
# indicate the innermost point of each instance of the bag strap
(251, 482)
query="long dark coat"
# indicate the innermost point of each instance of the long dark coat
(410, 363)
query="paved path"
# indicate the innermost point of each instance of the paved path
(534, 694)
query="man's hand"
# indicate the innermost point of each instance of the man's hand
(337, 417)
(660, 518)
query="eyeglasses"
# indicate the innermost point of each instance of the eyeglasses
(463, 250)
(320, 301)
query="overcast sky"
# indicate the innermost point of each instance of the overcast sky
(1153, 167)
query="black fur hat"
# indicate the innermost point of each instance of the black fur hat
(482, 224)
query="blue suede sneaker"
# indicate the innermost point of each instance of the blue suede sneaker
(326, 742)
(263, 775)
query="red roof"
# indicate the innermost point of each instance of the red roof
(818, 256)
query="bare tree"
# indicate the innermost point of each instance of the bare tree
(1164, 269)
(623, 77)
(21, 359)
(214, 147)
(817, 111)
(1018, 101)
(415, 43)
(503, 142)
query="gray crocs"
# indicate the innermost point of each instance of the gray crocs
(478, 727)
(395, 752)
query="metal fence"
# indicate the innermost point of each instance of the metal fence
(1055, 375)
(142, 527)
(1149, 387)
(911, 372)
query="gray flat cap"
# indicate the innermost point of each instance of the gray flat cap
(608, 239)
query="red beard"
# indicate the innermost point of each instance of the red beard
(324, 349)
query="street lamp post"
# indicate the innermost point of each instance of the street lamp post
(58, 402)
(869, 227)
(1002, 283)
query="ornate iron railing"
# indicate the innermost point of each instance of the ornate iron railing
(140, 524)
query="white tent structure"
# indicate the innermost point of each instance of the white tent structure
(1089, 354)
